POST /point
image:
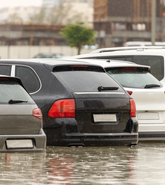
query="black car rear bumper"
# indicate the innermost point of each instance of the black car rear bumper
(99, 139)
(67, 134)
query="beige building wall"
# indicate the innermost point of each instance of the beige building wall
(26, 52)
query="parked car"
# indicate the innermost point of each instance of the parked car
(81, 104)
(147, 92)
(153, 56)
(49, 55)
(21, 126)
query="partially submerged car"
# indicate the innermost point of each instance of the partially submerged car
(21, 126)
(147, 92)
(81, 104)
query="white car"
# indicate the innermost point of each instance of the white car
(146, 90)
(153, 56)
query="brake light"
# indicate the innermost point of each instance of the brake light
(129, 92)
(63, 108)
(132, 108)
(129, 68)
(37, 113)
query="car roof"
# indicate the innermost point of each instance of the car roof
(105, 63)
(126, 51)
(49, 62)
(101, 50)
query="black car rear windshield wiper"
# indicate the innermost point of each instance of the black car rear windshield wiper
(16, 101)
(101, 88)
(151, 85)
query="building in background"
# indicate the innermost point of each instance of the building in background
(127, 20)
(51, 3)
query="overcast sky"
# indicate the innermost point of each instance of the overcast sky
(14, 3)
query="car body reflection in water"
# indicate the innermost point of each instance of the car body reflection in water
(89, 165)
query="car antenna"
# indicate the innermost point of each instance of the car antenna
(108, 61)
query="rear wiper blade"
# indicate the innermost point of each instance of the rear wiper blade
(16, 101)
(101, 88)
(151, 85)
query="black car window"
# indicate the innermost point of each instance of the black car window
(5, 69)
(133, 77)
(28, 78)
(85, 81)
(12, 91)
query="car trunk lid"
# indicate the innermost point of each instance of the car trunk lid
(18, 119)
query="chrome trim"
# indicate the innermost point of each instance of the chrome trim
(12, 73)
(98, 92)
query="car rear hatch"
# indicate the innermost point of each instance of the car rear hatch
(102, 106)
(148, 94)
(19, 114)
(150, 105)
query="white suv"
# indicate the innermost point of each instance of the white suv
(151, 56)
(147, 92)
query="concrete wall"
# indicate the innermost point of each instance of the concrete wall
(25, 52)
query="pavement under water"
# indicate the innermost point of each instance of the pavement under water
(144, 164)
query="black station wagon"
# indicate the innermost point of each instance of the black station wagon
(80, 103)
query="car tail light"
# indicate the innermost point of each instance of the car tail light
(37, 113)
(63, 108)
(132, 108)
(129, 92)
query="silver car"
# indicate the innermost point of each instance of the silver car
(20, 118)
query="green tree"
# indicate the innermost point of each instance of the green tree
(78, 35)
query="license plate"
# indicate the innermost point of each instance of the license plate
(148, 116)
(20, 143)
(104, 118)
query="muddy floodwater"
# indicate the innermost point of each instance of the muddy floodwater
(144, 164)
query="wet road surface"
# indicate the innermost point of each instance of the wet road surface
(144, 164)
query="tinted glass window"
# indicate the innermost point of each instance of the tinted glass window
(13, 91)
(5, 69)
(28, 78)
(156, 63)
(85, 81)
(133, 77)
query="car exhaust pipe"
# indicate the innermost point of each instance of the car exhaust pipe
(76, 145)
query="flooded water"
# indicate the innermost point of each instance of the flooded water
(144, 164)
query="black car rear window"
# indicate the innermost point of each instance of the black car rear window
(13, 91)
(133, 77)
(86, 81)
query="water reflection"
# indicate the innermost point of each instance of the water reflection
(97, 165)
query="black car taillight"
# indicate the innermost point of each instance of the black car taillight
(37, 113)
(63, 108)
(132, 108)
